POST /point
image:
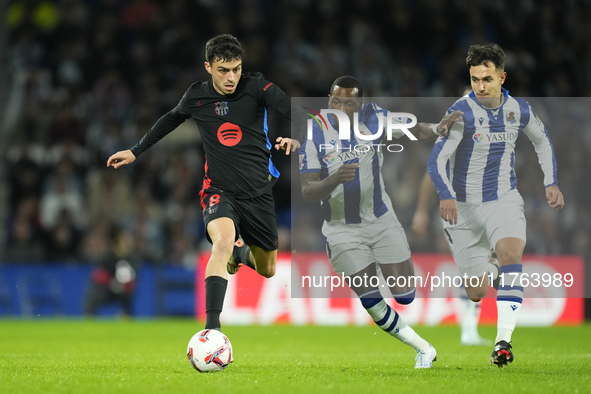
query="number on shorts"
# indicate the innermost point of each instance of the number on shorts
(214, 199)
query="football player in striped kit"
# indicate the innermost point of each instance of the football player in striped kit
(469, 311)
(473, 172)
(361, 228)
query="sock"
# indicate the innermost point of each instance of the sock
(493, 273)
(405, 298)
(493, 269)
(242, 256)
(469, 316)
(390, 321)
(215, 290)
(509, 299)
(245, 257)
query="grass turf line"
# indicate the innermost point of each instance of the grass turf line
(51, 356)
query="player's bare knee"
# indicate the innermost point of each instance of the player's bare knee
(511, 256)
(267, 271)
(401, 290)
(476, 293)
(480, 294)
(223, 247)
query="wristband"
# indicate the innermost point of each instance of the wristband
(433, 127)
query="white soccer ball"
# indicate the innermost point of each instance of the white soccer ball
(209, 351)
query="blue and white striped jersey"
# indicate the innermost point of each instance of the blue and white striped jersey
(476, 162)
(364, 199)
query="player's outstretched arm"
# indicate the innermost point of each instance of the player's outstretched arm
(555, 197)
(287, 144)
(430, 131)
(314, 189)
(121, 158)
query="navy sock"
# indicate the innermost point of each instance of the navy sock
(215, 291)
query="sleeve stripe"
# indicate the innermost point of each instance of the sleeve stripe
(436, 167)
(538, 135)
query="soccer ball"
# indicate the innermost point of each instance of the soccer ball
(209, 351)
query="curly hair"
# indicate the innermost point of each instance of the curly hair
(224, 47)
(347, 82)
(485, 54)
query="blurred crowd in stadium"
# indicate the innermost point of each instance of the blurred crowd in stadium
(89, 77)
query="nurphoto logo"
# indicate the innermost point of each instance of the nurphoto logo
(402, 121)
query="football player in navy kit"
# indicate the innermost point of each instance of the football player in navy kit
(236, 199)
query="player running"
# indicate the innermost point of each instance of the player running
(231, 112)
(480, 204)
(360, 225)
(469, 311)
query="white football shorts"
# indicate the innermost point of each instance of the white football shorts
(352, 248)
(480, 227)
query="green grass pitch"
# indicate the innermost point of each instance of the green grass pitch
(51, 356)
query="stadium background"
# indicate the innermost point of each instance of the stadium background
(83, 79)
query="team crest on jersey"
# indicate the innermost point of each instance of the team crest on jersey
(328, 159)
(221, 108)
(511, 117)
(478, 138)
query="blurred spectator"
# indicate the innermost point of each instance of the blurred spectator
(63, 195)
(113, 278)
(25, 172)
(23, 244)
(65, 128)
(90, 78)
(62, 239)
(108, 195)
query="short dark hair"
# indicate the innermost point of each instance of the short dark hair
(224, 47)
(347, 82)
(485, 54)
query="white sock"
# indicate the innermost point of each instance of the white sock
(469, 316)
(507, 318)
(391, 322)
(493, 272)
(509, 299)
(411, 338)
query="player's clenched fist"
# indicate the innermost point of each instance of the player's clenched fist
(346, 173)
(555, 197)
(121, 158)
